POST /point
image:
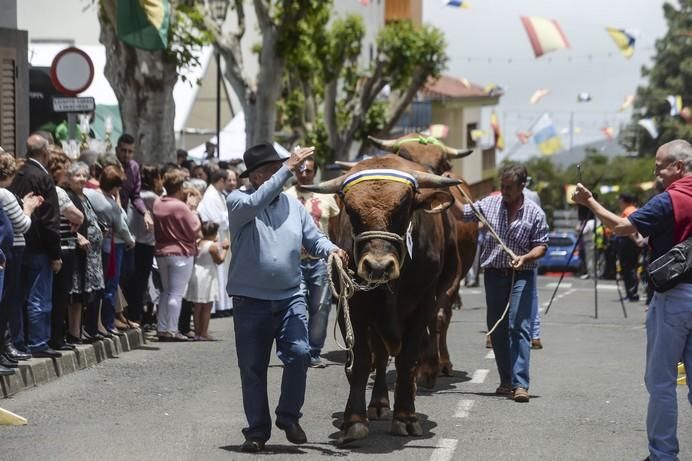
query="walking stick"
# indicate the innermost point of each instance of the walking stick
(617, 284)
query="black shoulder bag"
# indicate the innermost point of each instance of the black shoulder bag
(670, 269)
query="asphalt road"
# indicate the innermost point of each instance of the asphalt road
(176, 401)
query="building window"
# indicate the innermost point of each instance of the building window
(488, 159)
(470, 128)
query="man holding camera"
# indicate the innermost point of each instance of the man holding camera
(667, 220)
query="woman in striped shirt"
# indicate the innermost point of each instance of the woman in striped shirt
(20, 217)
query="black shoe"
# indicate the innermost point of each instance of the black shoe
(72, 339)
(8, 357)
(116, 332)
(294, 433)
(15, 354)
(4, 371)
(46, 353)
(92, 338)
(252, 446)
(7, 363)
(63, 346)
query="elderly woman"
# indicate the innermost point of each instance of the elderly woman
(70, 220)
(115, 240)
(87, 278)
(11, 315)
(176, 228)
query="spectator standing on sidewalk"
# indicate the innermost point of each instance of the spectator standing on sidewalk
(315, 280)
(42, 254)
(11, 306)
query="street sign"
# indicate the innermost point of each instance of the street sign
(86, 104)
(72, 71)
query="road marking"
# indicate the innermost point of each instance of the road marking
(554, 284)
(470, 292)
(479, 376)
(463, 408)
(444, 450)
(490, 355)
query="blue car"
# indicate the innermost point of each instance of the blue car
(560, 246)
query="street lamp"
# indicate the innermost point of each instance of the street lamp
(218, 10)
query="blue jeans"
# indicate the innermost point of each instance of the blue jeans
(257, 324)
(110, 292)
(512, 338)
(37, 284)
(668, 341)
(315, 285)
(536, 316)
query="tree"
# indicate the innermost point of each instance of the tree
(280, 25)
(670, 74)
(353, 104)
(143, 80)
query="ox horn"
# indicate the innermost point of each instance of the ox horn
(453, 153)
(389, 145)
(345, 165)
(326, 187)
(429, 180)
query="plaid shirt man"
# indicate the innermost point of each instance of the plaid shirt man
(528, 230)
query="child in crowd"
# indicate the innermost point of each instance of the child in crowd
(202, 289)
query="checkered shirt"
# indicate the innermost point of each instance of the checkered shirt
(528, 230)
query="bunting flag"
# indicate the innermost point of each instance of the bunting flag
(545, 35)
(478, 134)
(624, 39)
(364, 2)
(439, 131)
(538, 95)
(499, 138)
(626, 103)
(457, 3)
(686, 114)
(584, 97)
(144, 23)
(524, 136)
(545, 135)
(650, 126)
(675, 104)
(608, 132)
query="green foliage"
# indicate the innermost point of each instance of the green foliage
(186, 37)
(596, 170)
(408, 49)
(671, 74)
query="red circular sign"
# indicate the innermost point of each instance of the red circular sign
(72, 71)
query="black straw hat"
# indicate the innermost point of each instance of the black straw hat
(258, 155)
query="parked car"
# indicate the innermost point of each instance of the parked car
(557, 259)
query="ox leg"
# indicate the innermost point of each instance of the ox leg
(429, 362)
(355, 425)
(378, 409)
(446, 366)
(405, 421)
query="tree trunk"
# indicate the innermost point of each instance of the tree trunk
(143, 83)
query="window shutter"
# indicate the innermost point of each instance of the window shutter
(8, 100)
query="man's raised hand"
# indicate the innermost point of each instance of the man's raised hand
(298, 156)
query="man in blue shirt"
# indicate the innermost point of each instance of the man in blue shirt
(268, 230)
(667, 220)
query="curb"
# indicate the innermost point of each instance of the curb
(34, 372)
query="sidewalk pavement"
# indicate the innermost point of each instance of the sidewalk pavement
(34, 372)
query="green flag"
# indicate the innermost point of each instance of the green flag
(144, 23)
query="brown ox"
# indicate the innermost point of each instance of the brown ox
(392, 318)
(461, 239)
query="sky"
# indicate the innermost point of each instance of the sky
(487, 44)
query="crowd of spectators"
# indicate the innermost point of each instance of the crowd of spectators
(92, 247)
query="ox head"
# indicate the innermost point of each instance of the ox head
(380, 196)
(428, 151)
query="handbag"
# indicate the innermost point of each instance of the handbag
(668, 270)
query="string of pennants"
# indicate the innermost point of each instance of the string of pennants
(604, 189)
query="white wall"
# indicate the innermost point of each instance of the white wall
(71, 21)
